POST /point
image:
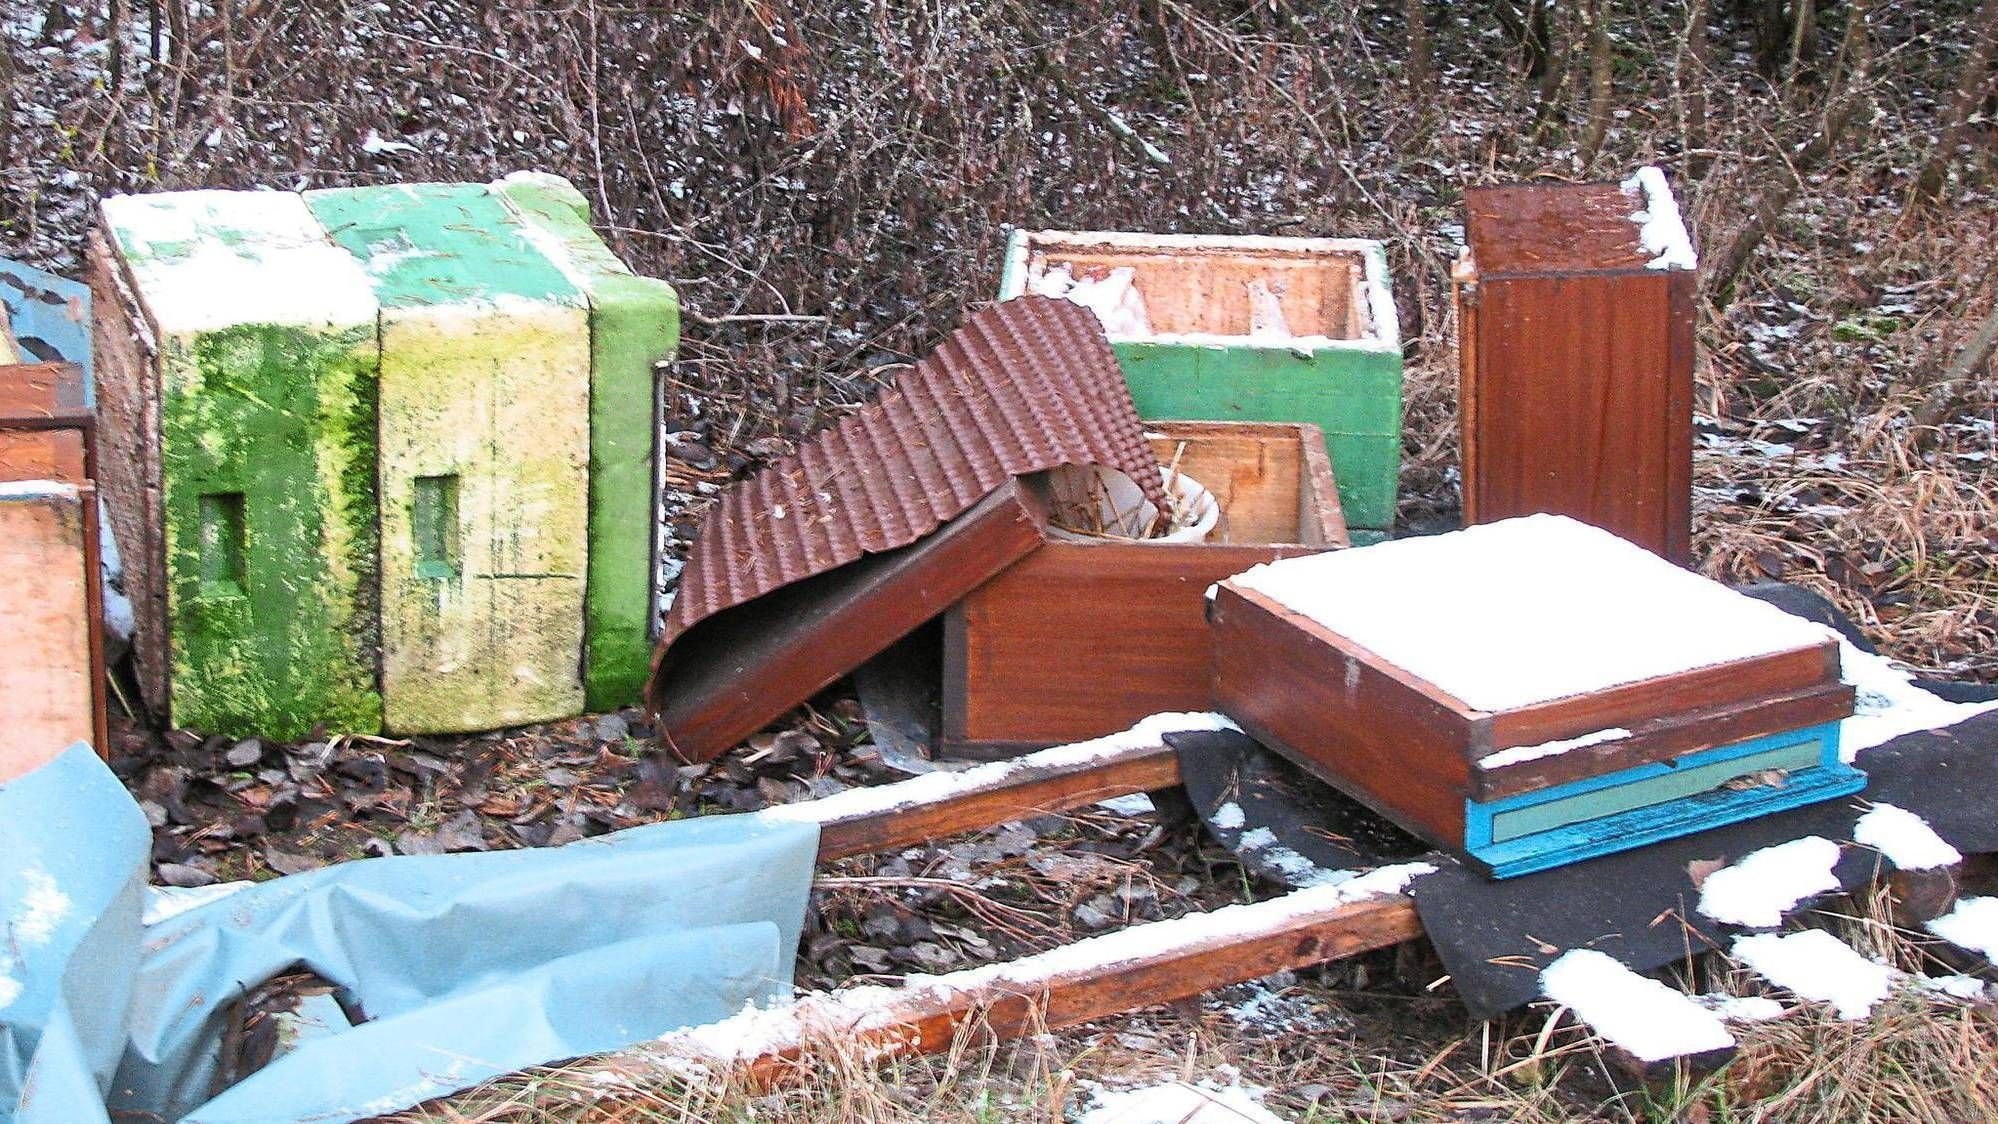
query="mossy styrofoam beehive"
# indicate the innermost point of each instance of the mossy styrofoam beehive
(1245, 328)
(388, 454)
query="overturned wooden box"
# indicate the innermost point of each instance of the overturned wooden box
(1532, 692)
(1084, 636)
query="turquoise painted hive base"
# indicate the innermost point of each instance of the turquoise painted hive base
(1634, 807)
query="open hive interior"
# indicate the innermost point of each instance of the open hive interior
(1261, 477)
(1222, 290)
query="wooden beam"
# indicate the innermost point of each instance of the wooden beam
(1139, 967)
(887, 817)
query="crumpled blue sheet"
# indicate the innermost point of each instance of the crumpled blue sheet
(465, 966)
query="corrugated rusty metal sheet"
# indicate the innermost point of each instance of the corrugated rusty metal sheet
(1023, 387)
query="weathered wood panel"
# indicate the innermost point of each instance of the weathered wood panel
(483, 464)
(634, 324)
(51, 666)
(1577, 372)
(735, 671)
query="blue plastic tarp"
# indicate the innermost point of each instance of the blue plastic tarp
(49, 315)
(465, 966)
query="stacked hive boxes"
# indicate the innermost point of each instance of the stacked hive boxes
(383, 455)
(1246, 329)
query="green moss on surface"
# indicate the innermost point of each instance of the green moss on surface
(282, 417)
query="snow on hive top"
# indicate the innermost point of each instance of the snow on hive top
(430, 244)
(206, 260)
(1526, 611)
(1024, 386)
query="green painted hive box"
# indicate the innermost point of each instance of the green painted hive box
(1229, 328)
(384, 456)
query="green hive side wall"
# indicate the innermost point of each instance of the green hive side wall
(485, 370)
(1353, 394)
(279, 636)
(266, 443)
(634, 324)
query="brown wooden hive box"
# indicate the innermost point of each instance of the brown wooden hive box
(1533, 691)
(1576, 358)
(1082, 639)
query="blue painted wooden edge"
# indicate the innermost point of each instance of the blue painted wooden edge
(50, 317)
(1638, 827)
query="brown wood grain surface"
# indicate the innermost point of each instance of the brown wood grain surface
(127, 377)
(1062, 988)
(1082, 639)
(1680, 693)
(738, 670)
(51, 671)
(985, 797)
(43, 454)
(1345, 716)
(1661, 739)
(1578, 408)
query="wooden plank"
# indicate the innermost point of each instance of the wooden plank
(887, 817)
(1384, 738)
(1669, 737)
(50, 672)
(634, 324)
(740, 669)
(126, 376)
(1143, 966)
(43, 454)
(1801, 669)
(484, 457)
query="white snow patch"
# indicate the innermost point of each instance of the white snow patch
(374, 145)
(1229, 816)
(204, 260)
(1643, 1016)
(1815, 965)
(1115, 298)
(1972, 925)
(1889, 704)
(1481, 614)
(1521, 753)
(933, 787)
(41, 909)
(1178, 1102)
(878, 1012)
(167, 902)
(1967, 988)
(1756, 892)
(1135, 804)
(1905, 838)
(1660, 228)
(1741, 1008)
